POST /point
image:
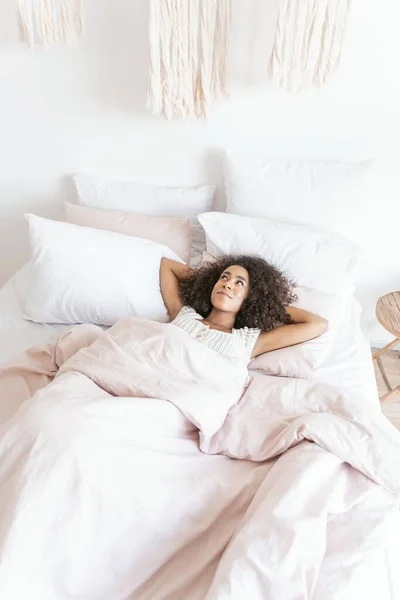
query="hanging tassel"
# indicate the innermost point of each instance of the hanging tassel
(192, 65)
(155, 91)
(189, 56)
(337, 14)
(204, 93)
(173, 29)
(215, 43)
(222, 51)
(50, 21)
(308, 42)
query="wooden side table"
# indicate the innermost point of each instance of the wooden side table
(388, 315)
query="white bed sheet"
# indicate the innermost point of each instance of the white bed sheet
(16, 333)
(348, 365)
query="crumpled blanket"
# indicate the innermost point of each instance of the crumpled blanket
(117, 479)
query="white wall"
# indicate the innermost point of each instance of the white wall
(83, 110)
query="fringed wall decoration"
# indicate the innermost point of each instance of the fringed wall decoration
(308, 42)
(50, 21)
(189, 56)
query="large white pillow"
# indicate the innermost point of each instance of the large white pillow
(85, 275)
(142, 199)
(291, 190)
(312, 257)
(302, 360)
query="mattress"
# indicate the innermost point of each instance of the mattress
(16, 333)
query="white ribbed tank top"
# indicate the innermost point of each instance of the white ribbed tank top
(238, 344)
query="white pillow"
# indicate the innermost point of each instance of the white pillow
(303, 359)
(85, 275)
(314, 258)
(142, 199)
(291, 190)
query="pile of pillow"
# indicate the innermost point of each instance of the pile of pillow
(102, 262)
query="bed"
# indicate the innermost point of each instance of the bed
(108, 492)
(371, 574)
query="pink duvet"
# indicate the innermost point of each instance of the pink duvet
(118, 478)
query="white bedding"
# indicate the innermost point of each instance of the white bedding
(164, 453)
(17, 334)
(348, 364)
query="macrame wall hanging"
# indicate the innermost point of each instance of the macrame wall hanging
(50, 21)
(308, 42)
(190, 46)
(189, 56)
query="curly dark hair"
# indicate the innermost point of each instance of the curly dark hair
(264, 308)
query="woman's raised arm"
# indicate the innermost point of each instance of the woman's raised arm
(171, 273)
(305, 326)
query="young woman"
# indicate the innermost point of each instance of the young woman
(237, 306)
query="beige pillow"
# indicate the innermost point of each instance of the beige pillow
(173, 232)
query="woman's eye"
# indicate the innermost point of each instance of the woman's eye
(223, 276)
(240, 282)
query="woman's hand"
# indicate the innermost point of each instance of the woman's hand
(171, 274)
(306, 326)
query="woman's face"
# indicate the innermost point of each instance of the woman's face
(231, 289)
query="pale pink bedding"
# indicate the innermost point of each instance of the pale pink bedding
(108, 492)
